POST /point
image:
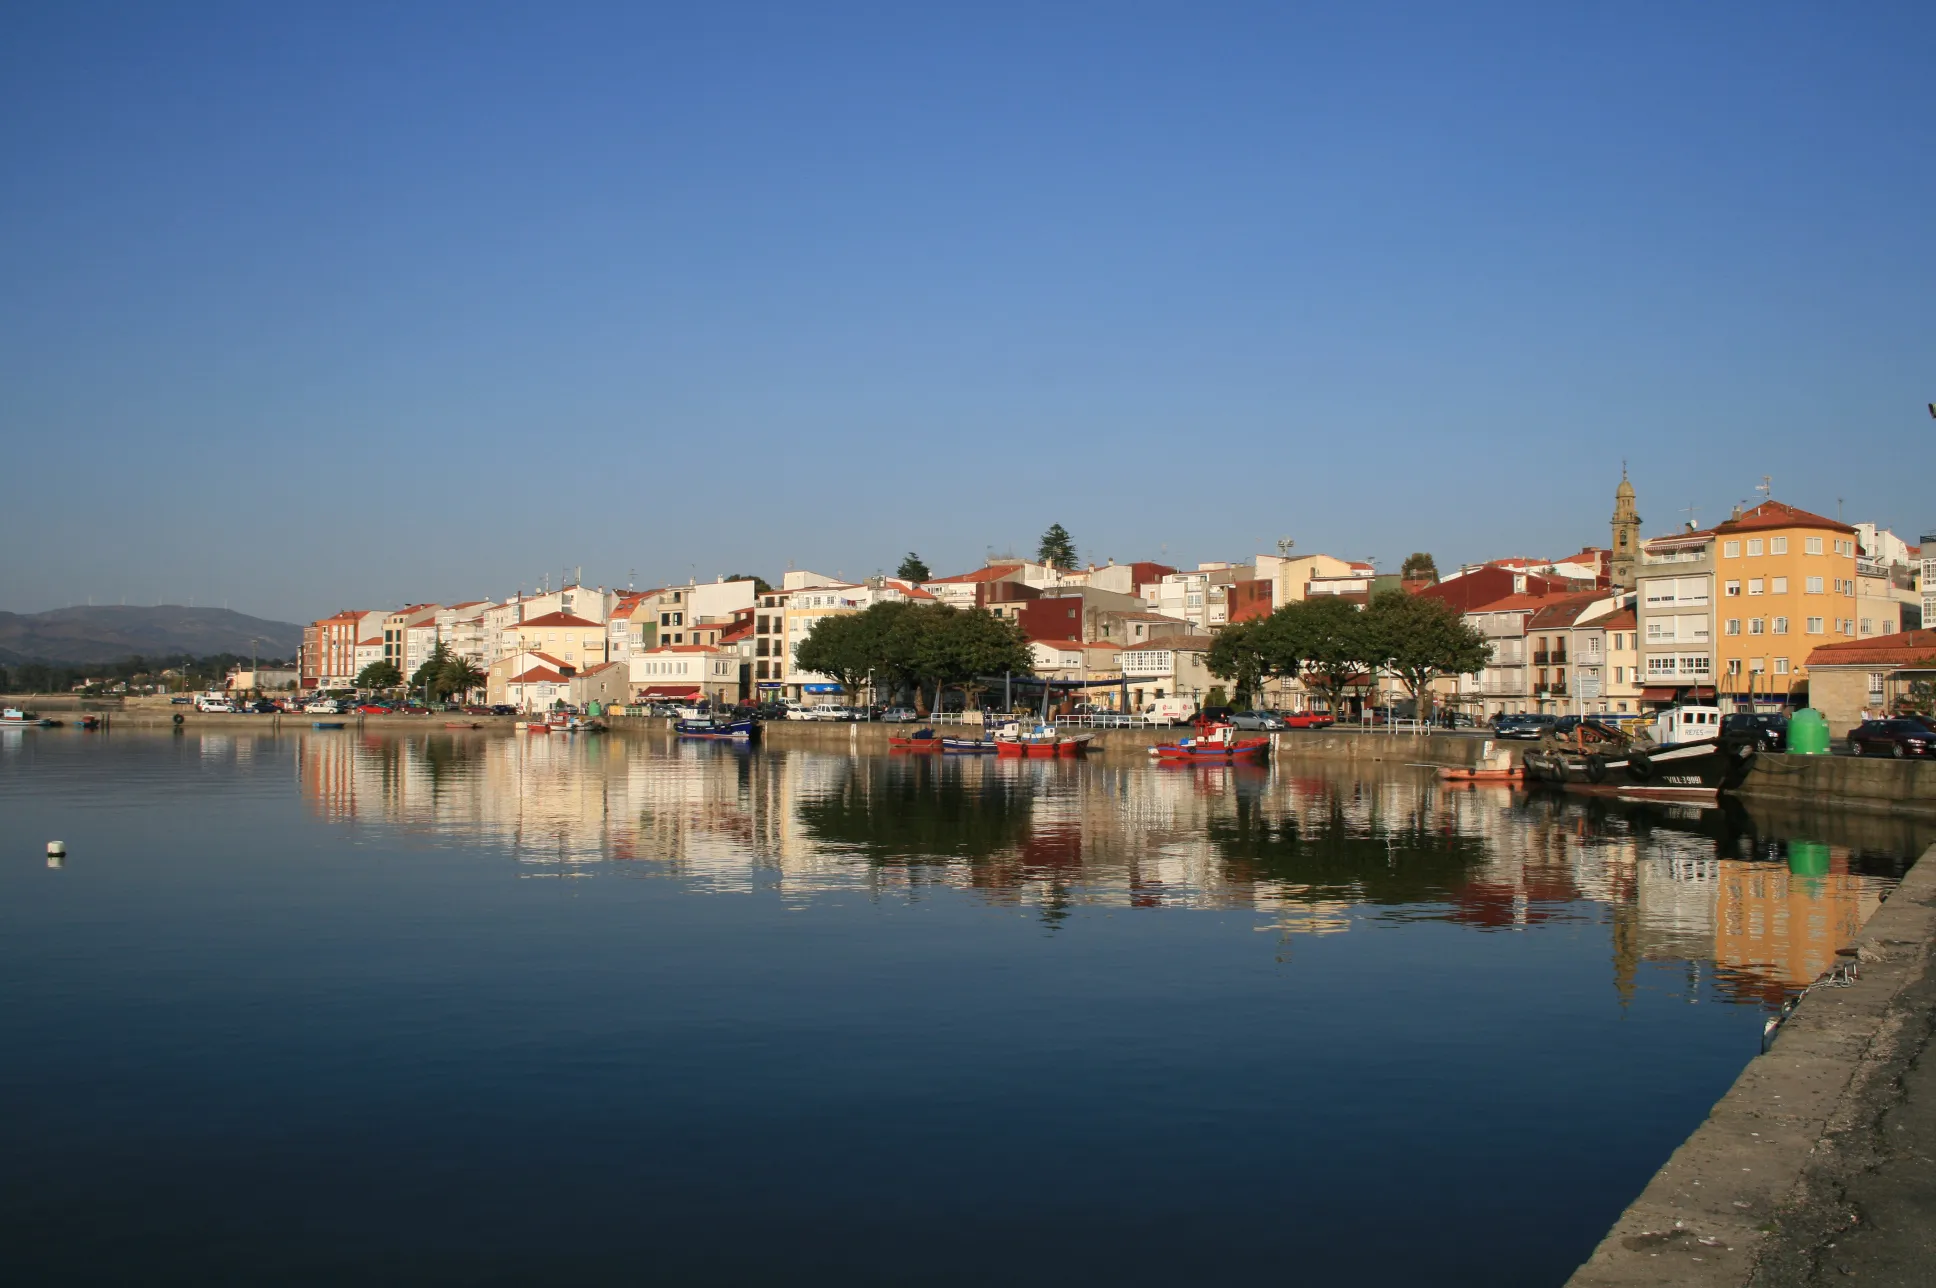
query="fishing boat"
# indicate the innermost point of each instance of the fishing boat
(744, 729)
(16, 718)
(1042, 741)
(1683, 755)
(326, 724)
(1215, 743)
(967, 746)
(532, 726)
(919, 740)
(1472, 774)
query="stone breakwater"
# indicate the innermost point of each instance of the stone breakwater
(1744, 1197)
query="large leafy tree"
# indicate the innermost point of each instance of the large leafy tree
(1328, 636)
(379, 675)
(760, 586)
(913, 569)
(846, 646)
(1056, 549)
(1419, 566)
(1418, 639)
(1239, 653)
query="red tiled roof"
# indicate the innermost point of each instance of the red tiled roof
(738, 633)
(676, 648)
(559, 619)
(538, 675)
(1624, 620)
(594, 670)
(1904, 648)
(994, 572)
(1515, 603)
(1779, 514)
(1561, 611)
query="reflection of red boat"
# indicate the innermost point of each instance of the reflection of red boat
(1217, 744)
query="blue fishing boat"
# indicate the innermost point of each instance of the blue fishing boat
(326, 724)
(967, 747)
(742, 730)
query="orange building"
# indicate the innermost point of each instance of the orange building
(1784, 584)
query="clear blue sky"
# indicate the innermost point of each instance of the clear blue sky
(328, 305)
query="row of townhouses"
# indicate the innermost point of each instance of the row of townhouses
(1733, 612)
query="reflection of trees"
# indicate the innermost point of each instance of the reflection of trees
(449, 762)
(919, 813)
(1324, 854)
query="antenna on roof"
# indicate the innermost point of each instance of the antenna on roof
(1689, 511)
(1284, 547)
(1766, 487)
(631, 579)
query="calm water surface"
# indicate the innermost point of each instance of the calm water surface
(327, 1007)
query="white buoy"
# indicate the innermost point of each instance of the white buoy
(56, 849)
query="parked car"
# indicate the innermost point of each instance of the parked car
(503, 709)
(372, 709)
(181, 700)
(1770, 732)
(260, 707)
(1306, 719)
(1530, 725)
(324, 707)
(214, 704)
(1256, 720)
(1900, 737)
(898, 715)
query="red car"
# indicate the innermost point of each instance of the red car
(1307, 720)
(372, 709)
(1903, 736)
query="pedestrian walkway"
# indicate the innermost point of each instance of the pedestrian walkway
(1865, 1212)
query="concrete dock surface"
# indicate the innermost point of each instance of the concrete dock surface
(1819, 1165)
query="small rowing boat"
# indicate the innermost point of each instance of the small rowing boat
(326, 724)
(1466, 774)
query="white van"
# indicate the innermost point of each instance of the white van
(1171, 711)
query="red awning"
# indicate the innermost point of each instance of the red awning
(669, 691)
(1658, 695)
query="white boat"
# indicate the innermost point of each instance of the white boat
(15, 718)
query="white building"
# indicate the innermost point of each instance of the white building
(684, 672)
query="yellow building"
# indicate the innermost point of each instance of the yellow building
(578, 641)
(1785, 583)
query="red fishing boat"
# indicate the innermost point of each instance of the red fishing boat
(1039, 743)
(919, 740)
(1214, 744)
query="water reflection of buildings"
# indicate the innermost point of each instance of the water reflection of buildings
(1312, 850)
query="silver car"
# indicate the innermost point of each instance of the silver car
(1255, 720)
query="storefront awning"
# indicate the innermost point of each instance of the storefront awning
(1693, 692)
(669, 691)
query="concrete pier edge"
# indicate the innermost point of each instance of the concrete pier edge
(1710, 1213)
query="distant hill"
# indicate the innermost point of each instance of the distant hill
(109, 633)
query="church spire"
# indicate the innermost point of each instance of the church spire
(1626, 533)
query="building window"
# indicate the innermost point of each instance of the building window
(1812, 545)
(1731, 589)
(1777, 545)
(1734, 666)
(1754, 625)
(1781, 666)
(1781, 626)
(1780, 587)
(1812, 626)
(1875, 686)
(1695, 666)
(1754, 547)
(1734, 626)
(1730, 549)
(1660, 665)
(1755, 585)
(1812, 586)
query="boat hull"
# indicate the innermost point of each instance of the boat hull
(1699, 770)
(1211, 753)
(1452, 775)
(966, 746)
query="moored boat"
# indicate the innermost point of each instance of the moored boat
(919, 740)
(967, 746)
(706, 727)
(16, 718)
(1041, 742)
(1687, 757)
(326, 724)
(1468, 774)
(1214, 744)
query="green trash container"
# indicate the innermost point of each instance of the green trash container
(1808, 733)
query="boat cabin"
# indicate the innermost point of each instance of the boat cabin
(1686, 724)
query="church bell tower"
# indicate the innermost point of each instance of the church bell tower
(1626, 534)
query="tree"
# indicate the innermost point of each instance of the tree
(973, 643)
(1418, 639)
(1327, 634)
(428, 677)
(845, 646)
(462, 676)
(1418, 566)
(760, 586)
(913, 570)
(379, 675)
(1056, 549)
(1238, 654)
(1216, 697)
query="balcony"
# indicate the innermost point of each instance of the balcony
(1556, 658)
